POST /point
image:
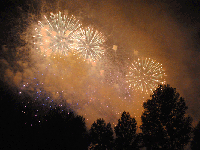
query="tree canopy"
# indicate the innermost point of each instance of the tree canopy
(126, 132)
(195, 144)
(164, 123)
(101, 135)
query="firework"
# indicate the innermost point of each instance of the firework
(90, 44)
(56, 34)
(144, 75)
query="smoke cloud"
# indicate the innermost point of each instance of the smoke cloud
(151, 28)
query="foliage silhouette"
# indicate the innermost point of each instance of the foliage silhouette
(64, 130)
(21, 129)
(164, 124)
(126, 132)
(15, 134)
(195, 143)
(101, 135)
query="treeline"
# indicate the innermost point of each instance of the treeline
(31, 126)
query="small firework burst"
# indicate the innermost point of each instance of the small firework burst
(90, 44)
(144, 75)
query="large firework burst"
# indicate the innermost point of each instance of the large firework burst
(56, 34)
(144, 75)
(90, 44)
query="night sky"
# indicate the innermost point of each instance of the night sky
(167, 31)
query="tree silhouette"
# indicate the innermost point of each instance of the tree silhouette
(101, 135)
(51, 129)
(126, 132)
(164, 124)
(65, 130)
(195, 144)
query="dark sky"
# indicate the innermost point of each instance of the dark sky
(165, 30)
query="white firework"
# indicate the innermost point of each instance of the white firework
(144, 75)
(90, 44)
(56, 34)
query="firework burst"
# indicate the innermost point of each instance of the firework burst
(56, 34)
(144, 75)
(90, 44)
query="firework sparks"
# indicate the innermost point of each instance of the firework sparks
(90, 44)
(56, 34)
(144, 75)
